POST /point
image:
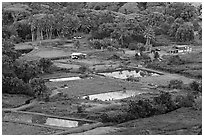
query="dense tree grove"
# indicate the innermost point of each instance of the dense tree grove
(42, 20)
(18, 75)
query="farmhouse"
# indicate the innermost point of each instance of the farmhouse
(180, 49)
(78, 56)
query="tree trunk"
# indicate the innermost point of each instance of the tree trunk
(41, 33)
(121, 38)
(38, 34)
(147, 44)
(47, 34)
(50, 35)
(14, 18)
(32, 32)
(33, 36)
(58, 34)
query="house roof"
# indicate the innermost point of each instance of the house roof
(77, 54)
(180, 46)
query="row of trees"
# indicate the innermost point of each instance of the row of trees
(64, 19)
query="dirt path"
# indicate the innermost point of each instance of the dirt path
(23, 107)
(9, 128)
(100, 131)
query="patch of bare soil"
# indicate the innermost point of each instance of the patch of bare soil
(184, 121)
(9, 128)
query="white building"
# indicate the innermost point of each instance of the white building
(78, 55)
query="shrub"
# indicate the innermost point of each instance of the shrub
(116, 117)
(132, 46)
(141, 108)
(45, 64)
(185, 33)
(80, 109)
(83, 69)
(165, 99)
(110, 48)
(95, 43)
(184, 101)
(145, 56)
(196, 86)
(197, 105)
(27, 70)
(176, 84)
(84, 75)
(160, 109)
(39, 88)
(175, 60)
(104, 43)
(77, 44)
(200, 33)
(133, 79)
(109, 42)
(14, 85)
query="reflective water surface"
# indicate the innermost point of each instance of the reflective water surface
(38, 119)
(129, 73)
(113, 95)
(64, 79)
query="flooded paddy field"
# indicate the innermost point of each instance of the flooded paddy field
(116, 95)
(43, 120)
(124, 74)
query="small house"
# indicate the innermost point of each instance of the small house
(180, 49)
(78, 56)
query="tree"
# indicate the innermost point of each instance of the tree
(45, 64)
(37, 25)
(185, 33)
(173, 29)
(23, 30)
(170, 19)
(129, 7)
(196, 25)
(27, 70)
(122, 32)
(8, 49)
(165, 27)
(140, 47)
(200, 33)
(18, 11)
(7, 66)
(179, 21)
(77, 44)
(49, 23)
(14, 85)
(186, 11)
(149, 35)
(39, 88)
(155, 18)
(104, 31)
